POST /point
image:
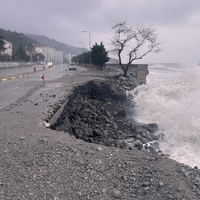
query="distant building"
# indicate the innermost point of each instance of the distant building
(7, 53)
(58, 56)
(50, 54)
(38, 48)
(47, 51)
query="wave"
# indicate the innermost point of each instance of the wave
(172, 100)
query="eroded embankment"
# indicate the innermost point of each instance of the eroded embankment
(100, 112)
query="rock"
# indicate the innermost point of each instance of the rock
(96, 133)
(46, 124)
(170, 196)
(22, 138)
(115, 125)
(108, 114)
(138, 145)
(121, 113)
(153, 136)
(116, 193)
(106, 119)
(152, 128)
(152, 149)
(99, 148)
(138, 136)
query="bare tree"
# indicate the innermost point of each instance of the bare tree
(133, 43)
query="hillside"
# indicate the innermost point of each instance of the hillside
(58, 45)
(17, 39)
(27, 39)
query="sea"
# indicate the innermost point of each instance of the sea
(171, 98)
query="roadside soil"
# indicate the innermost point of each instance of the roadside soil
(39, 163)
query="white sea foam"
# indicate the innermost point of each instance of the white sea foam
(171, 98)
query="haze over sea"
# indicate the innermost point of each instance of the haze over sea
(171, 98)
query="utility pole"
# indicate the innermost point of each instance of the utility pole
(89, 44)
(82, 51)
(18, 48)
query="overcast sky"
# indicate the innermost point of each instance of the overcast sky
(177, 22)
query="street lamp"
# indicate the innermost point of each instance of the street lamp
(18, 47)
(89, 44)
(82, 51)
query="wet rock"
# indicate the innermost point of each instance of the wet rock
(138, 145)
(152, 128)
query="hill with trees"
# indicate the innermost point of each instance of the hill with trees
(19, 42)
(25, 42)
(58, 45)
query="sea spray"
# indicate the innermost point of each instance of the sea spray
(171, 99)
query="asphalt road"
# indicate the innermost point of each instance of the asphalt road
(24, 80)
(12, 72)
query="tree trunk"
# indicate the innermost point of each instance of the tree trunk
(125, 72)
(125, 69)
